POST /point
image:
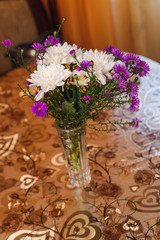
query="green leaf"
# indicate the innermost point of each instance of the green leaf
(69, 108)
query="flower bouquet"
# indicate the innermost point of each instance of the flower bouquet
(74, 85)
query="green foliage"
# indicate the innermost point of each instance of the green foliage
(69, 108)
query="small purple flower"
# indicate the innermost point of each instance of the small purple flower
(120, 71)
(133, 89)
(122, 84)
(52, 40)
(118, 54)
(28, 83)
(37, 46)
(61, 107)
(72, 52)
(134, 104)
(142, 68)
(7, 43)
(108, 49)
(131, 59)
(40, 109)
(86, 98)
(136, 123)
(84, 65)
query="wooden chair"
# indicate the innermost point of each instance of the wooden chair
(25, 22)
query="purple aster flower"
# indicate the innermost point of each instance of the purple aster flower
(133, 89)
(108, 49)
(122, 84)
(84, 65)
(28, 83)
(52, 40)
(118, 54)
(37, 46)
(40, 109)
(7, 43)
(86, 98)
(61, 107)
(136, 123)
(120, 71)
(72, 52)
(134, 104)
(142, 68)
(131, 59)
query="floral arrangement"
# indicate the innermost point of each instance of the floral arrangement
(74, 85)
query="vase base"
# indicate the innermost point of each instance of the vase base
(80, 179)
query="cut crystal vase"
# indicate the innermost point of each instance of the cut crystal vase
(75, 150)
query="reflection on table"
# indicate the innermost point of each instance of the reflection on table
(37, 200)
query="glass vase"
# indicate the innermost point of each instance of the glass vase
(75, 150)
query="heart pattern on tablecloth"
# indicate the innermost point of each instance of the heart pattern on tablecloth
(7, 144)
(78, 227)
(27, 181)
(31, 234)
(148, 202)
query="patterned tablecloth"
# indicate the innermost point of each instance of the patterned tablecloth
(37, 201)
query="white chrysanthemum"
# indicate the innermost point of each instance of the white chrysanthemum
(48, 77)
(61, 54)
(103, 64)
(81, 78)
